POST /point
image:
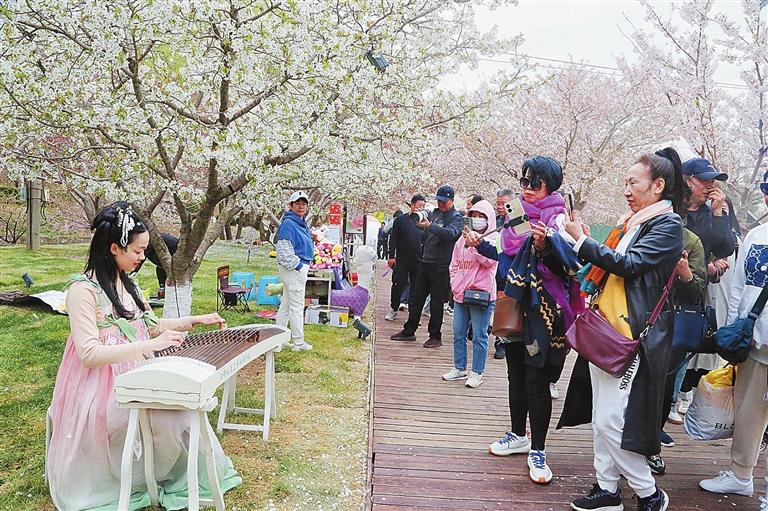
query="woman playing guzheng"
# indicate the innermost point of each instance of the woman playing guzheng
(112, 331)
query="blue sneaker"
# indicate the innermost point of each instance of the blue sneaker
(666, 440)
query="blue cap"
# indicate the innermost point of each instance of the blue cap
(702, 169)
(444, 193)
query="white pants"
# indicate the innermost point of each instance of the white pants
(610, 396)
(292, 302)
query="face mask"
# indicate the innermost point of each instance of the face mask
(479, 224)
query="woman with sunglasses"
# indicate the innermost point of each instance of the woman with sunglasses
(627, 277)
(536, 357)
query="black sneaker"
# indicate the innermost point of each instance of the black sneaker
(666, 440)
(402, 335)
(599, 499)
(659, 501)
(499, 353)
(764, 441)
(656, 462)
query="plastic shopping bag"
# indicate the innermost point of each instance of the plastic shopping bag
(710, 416)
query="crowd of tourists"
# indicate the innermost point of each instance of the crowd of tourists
(678, 246)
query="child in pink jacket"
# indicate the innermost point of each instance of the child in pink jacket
(470, 270)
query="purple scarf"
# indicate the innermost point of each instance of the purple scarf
(546, 210)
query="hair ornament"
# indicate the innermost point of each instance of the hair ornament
(126, 222)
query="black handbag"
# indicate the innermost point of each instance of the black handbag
(477, 298)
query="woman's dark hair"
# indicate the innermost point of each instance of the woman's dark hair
(117, 223)
(547, 169)
(475, 198)
(666, 164)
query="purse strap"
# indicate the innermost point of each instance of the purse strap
(663, 299)
(759, 303)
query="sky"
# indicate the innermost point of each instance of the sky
(578, 30)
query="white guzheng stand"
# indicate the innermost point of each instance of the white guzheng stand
(186, 378)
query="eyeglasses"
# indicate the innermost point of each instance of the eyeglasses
(534, 184)
(764, 188)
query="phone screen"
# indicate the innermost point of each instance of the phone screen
(467, 223)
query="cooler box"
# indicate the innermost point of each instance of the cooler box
(326, 315)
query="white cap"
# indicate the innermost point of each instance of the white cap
(298, 195)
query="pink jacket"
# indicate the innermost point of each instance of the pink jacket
(470, 270)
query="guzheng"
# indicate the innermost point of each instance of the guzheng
(188, 375)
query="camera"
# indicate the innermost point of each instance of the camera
(419, 216)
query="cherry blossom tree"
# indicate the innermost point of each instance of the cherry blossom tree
(720, 124)
(594, 123)
(222, 106)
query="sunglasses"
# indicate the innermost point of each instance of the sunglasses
(534, 184)
(764, 188)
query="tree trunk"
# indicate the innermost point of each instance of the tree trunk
(178, 301)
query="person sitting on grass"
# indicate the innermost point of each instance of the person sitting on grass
(113, 331)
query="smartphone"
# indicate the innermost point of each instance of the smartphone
(516, 214)
(467, 223)
(569, 206)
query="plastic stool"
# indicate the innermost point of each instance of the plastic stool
(263, 298)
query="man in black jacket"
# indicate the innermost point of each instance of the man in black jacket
(441, 230)
(404, 253)
(710, 222)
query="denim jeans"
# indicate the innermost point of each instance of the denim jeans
(480, 318)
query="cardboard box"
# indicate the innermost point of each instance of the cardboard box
(326, 315)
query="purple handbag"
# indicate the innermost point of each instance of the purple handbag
(592, 337)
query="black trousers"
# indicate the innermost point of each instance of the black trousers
(402, 273)
(529, 394)
(429, 281)
(161, 275)
(669, 384)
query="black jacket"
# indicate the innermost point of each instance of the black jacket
(405, 240)
(439, 238)
(715, 232)
(646, 267)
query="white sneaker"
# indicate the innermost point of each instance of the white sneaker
(301, 346)
(391, 315)
(553, 392)
(764, 503)
(474, 380)
(455, 374)
(403, 306)
(510, 444)
(674, 417)
(685, 402)
(539, 471)
(727, 482)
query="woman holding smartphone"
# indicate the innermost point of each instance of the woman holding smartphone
(536, 356)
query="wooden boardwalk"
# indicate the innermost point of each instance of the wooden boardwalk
(429, 439)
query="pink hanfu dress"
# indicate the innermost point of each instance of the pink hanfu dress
(83, 465)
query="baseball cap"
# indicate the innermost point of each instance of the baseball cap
(701, 168)
(299, 194)
(444, 193)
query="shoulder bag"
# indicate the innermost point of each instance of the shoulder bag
(732, 341)
(596, 340)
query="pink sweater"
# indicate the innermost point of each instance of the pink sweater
(469, 269)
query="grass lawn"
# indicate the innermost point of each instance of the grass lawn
(316, 455)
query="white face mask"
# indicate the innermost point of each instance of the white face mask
(479, 224)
